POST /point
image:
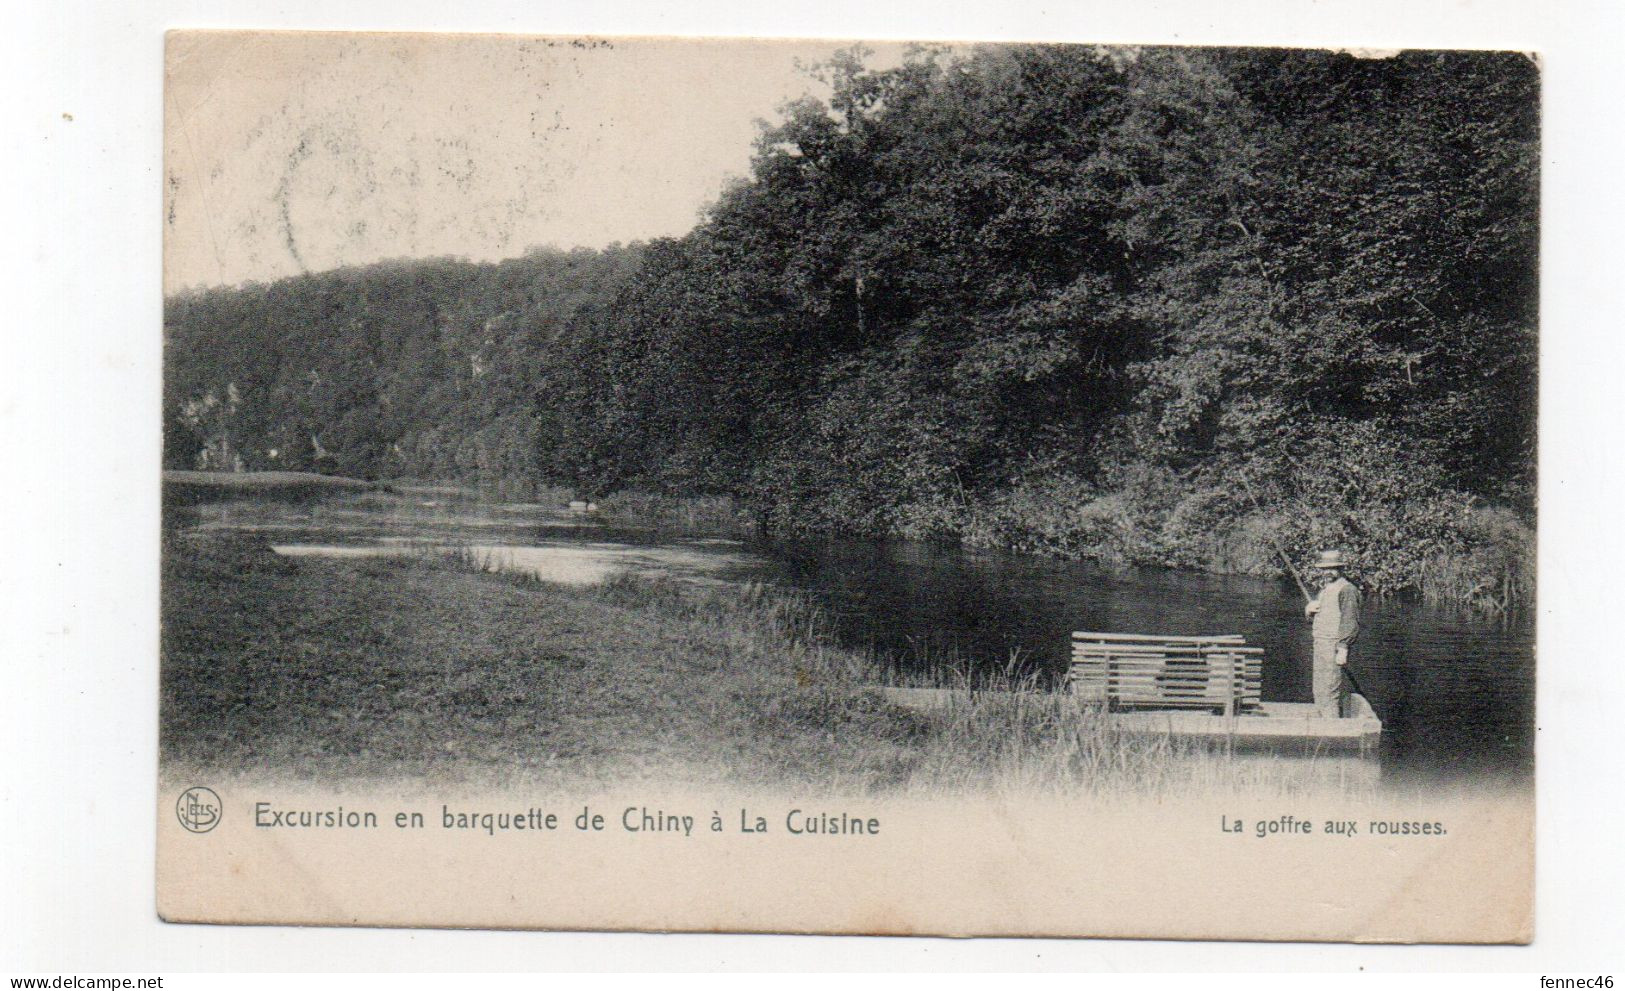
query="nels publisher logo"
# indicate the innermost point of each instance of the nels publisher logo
(198, 809)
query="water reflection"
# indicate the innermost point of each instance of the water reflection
(1455, 692)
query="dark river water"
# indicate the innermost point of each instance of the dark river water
(1455, 691)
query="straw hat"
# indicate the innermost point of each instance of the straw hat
(1331, 559)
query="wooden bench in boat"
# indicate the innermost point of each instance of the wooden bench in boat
(1201, 688)
(1130, 671)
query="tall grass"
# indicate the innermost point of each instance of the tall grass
(469, 559)
(795, 629)
(1439, 547)
(1015, 733)
(1007, 731)
(486, 487)
(756, 674)
(185, 488)
(753, 672)
(1494, 572)
(701, 514)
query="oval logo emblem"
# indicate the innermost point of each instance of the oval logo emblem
(198, 809)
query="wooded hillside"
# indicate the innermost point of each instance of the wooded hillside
(1055, 298)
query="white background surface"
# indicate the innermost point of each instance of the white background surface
(79, 446)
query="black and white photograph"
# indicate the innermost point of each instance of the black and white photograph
(783, 455)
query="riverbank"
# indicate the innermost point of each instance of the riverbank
(189, 487)
(1444, 551)
(1439, 547)
(427, 668)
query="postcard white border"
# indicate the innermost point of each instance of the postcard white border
(80, 425)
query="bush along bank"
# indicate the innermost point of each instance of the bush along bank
(1390, 508)
(1441, 547)
(1444, 550)
(1406, 534)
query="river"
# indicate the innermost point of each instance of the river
(1455, 691)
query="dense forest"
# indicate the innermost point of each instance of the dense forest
(1163, 306)
(429, 369)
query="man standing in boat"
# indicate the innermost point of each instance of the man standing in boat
(1336, 617)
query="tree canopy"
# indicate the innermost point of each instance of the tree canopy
(1013, 295)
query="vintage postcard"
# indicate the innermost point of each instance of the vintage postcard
(841, 487)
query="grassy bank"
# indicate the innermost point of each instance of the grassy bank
(430, 669)
(1407, 534)
(424, 668)
(705, 514)
(187, 487)
(1439, 548)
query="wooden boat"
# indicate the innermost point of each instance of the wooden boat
(1191, 687)
(1285, 728)
(1278, 726)
(1206, 687)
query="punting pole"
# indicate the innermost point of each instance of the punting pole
(1284, 559)
(1347, 671)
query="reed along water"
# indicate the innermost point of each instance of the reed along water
(1455, 690)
